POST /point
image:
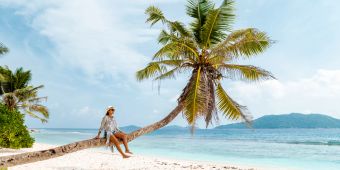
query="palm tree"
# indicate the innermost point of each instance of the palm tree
(3, 49)
(12, 81)
(208, 48)
(27, 100)
(16, 94)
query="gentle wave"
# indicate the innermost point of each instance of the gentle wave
(329, 143)
(64, 133)
(76, 132)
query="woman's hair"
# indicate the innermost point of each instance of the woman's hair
(107, 112)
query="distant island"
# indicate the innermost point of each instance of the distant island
(129, 128)
(293, 120)
(176, 127)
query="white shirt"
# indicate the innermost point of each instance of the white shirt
(109, 124)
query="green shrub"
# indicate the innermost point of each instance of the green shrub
(13, 132)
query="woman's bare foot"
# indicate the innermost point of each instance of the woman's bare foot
(126, 156)
(128, 152)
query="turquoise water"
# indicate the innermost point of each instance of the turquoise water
(301, 149)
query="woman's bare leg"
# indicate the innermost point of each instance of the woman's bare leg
(115, 141)
(123, 136)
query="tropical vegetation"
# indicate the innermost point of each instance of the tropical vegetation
(18, 94)
(13, 132)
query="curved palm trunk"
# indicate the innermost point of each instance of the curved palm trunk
(12, 160)
(157, 125)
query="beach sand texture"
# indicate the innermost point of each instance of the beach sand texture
(95, 159)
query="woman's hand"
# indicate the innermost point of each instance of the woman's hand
(97, 137)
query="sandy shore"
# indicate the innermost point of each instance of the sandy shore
(104, 159)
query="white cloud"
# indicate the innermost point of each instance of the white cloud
(85, 111)
(317, 94)
(89, 35)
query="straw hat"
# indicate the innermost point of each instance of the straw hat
(110, 107)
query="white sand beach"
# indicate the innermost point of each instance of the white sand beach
(105, 159)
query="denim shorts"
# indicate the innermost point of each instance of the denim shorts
(105, 133)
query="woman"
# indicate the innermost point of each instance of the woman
(112, 132)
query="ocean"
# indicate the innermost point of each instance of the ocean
(296, 149)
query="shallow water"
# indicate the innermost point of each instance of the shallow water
(310, 149)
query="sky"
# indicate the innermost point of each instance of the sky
(86, 53)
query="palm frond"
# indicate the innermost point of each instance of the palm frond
(245, 42)
(6, 81)
(194, 97)
(2, 78)
(173, 63)
(40, 109)
(153, 69)
(164, 37)
(37, 99)
(158, 68)
(183, 48)
(229, 107)
(198, 9)
(5, 72)
(13, 81)
(168, 75)
(245, 72)
(179, 28)
(175, 27)
(33, 115)
(27, 93)
(217, 22)
(154, 15)
(28, 101)
(216, 60)
(178, 64)
(22, 78)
